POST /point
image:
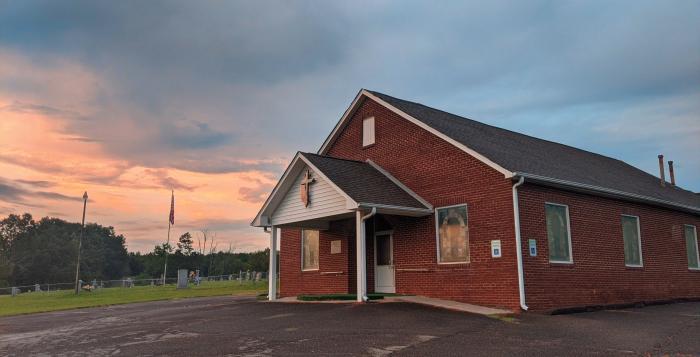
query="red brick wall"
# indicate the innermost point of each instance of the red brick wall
(598, 275)
(294, 281)
(443, 175)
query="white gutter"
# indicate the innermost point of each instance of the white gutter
(606, 192)
(426, 211)
(518, 244)
(364, 239)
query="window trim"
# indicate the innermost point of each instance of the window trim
(374, 132)
(437, 235)
(568, 233)
(639, 242)
(302, 250)
(697, 248)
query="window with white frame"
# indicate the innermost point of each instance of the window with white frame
(691, 244)
(632, 239)
(368, 131)
(452, 234)
(309, 249)
(558, 233)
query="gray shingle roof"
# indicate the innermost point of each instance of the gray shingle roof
(362, 182)
(526, 154)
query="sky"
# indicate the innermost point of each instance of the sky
(129, 99)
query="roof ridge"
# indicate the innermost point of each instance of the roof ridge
(459, 117)
(456, 118)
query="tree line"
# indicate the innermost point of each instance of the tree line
(45, 251)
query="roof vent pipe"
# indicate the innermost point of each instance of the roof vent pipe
(661, 171)
(670, 173)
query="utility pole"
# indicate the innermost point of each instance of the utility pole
(80, 245)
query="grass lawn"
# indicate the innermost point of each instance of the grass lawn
(64, 300)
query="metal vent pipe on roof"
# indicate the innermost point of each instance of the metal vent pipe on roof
(662, 176)
(670, 173)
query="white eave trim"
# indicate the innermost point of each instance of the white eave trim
(264, 220)
(602, 191)
(412, 210)
(400, 184)
(341, 123)
(365, 93)
(259, 218)
(351, 204)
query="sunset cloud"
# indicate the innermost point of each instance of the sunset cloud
(130, 101)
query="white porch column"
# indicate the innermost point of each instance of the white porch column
(361, 257)
(272, 274)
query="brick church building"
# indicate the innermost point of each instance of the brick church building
(403, 198)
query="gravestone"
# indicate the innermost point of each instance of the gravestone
(15, 291)
(37, 288)
(182, 278)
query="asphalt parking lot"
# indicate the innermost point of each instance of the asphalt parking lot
(244, 327)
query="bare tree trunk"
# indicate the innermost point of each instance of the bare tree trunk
(212, 248)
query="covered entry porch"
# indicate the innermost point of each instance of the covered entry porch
(334, 219)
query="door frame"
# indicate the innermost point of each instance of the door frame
(390, 233)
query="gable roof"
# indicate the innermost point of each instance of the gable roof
(538, 160)
(363, 184)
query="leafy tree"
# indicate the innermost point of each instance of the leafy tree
(46, 252)
(10, 228)
(185, 244)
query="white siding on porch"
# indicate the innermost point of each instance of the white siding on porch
(324, 201)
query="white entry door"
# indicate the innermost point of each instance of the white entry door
(384, 280)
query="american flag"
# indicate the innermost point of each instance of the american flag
(172, 208)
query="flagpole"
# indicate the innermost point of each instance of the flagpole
(165, 269)
(171, 220)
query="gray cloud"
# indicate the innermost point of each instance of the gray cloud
(166, 181)
(192, 135)
(36, 183)
(255, 194)
(31, 108)
(233, 87)
(12, 193)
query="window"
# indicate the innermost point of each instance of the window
(309, 250)
(691, 244)
(452, 234)
(383, 242)
(558, 233)
(368, 131)
(632, 239)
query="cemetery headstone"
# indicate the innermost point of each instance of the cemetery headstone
(182, 278)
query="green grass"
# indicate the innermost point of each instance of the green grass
(335, 297)
(27, 303)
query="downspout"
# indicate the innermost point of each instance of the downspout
(364, 237)
(518, 243)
